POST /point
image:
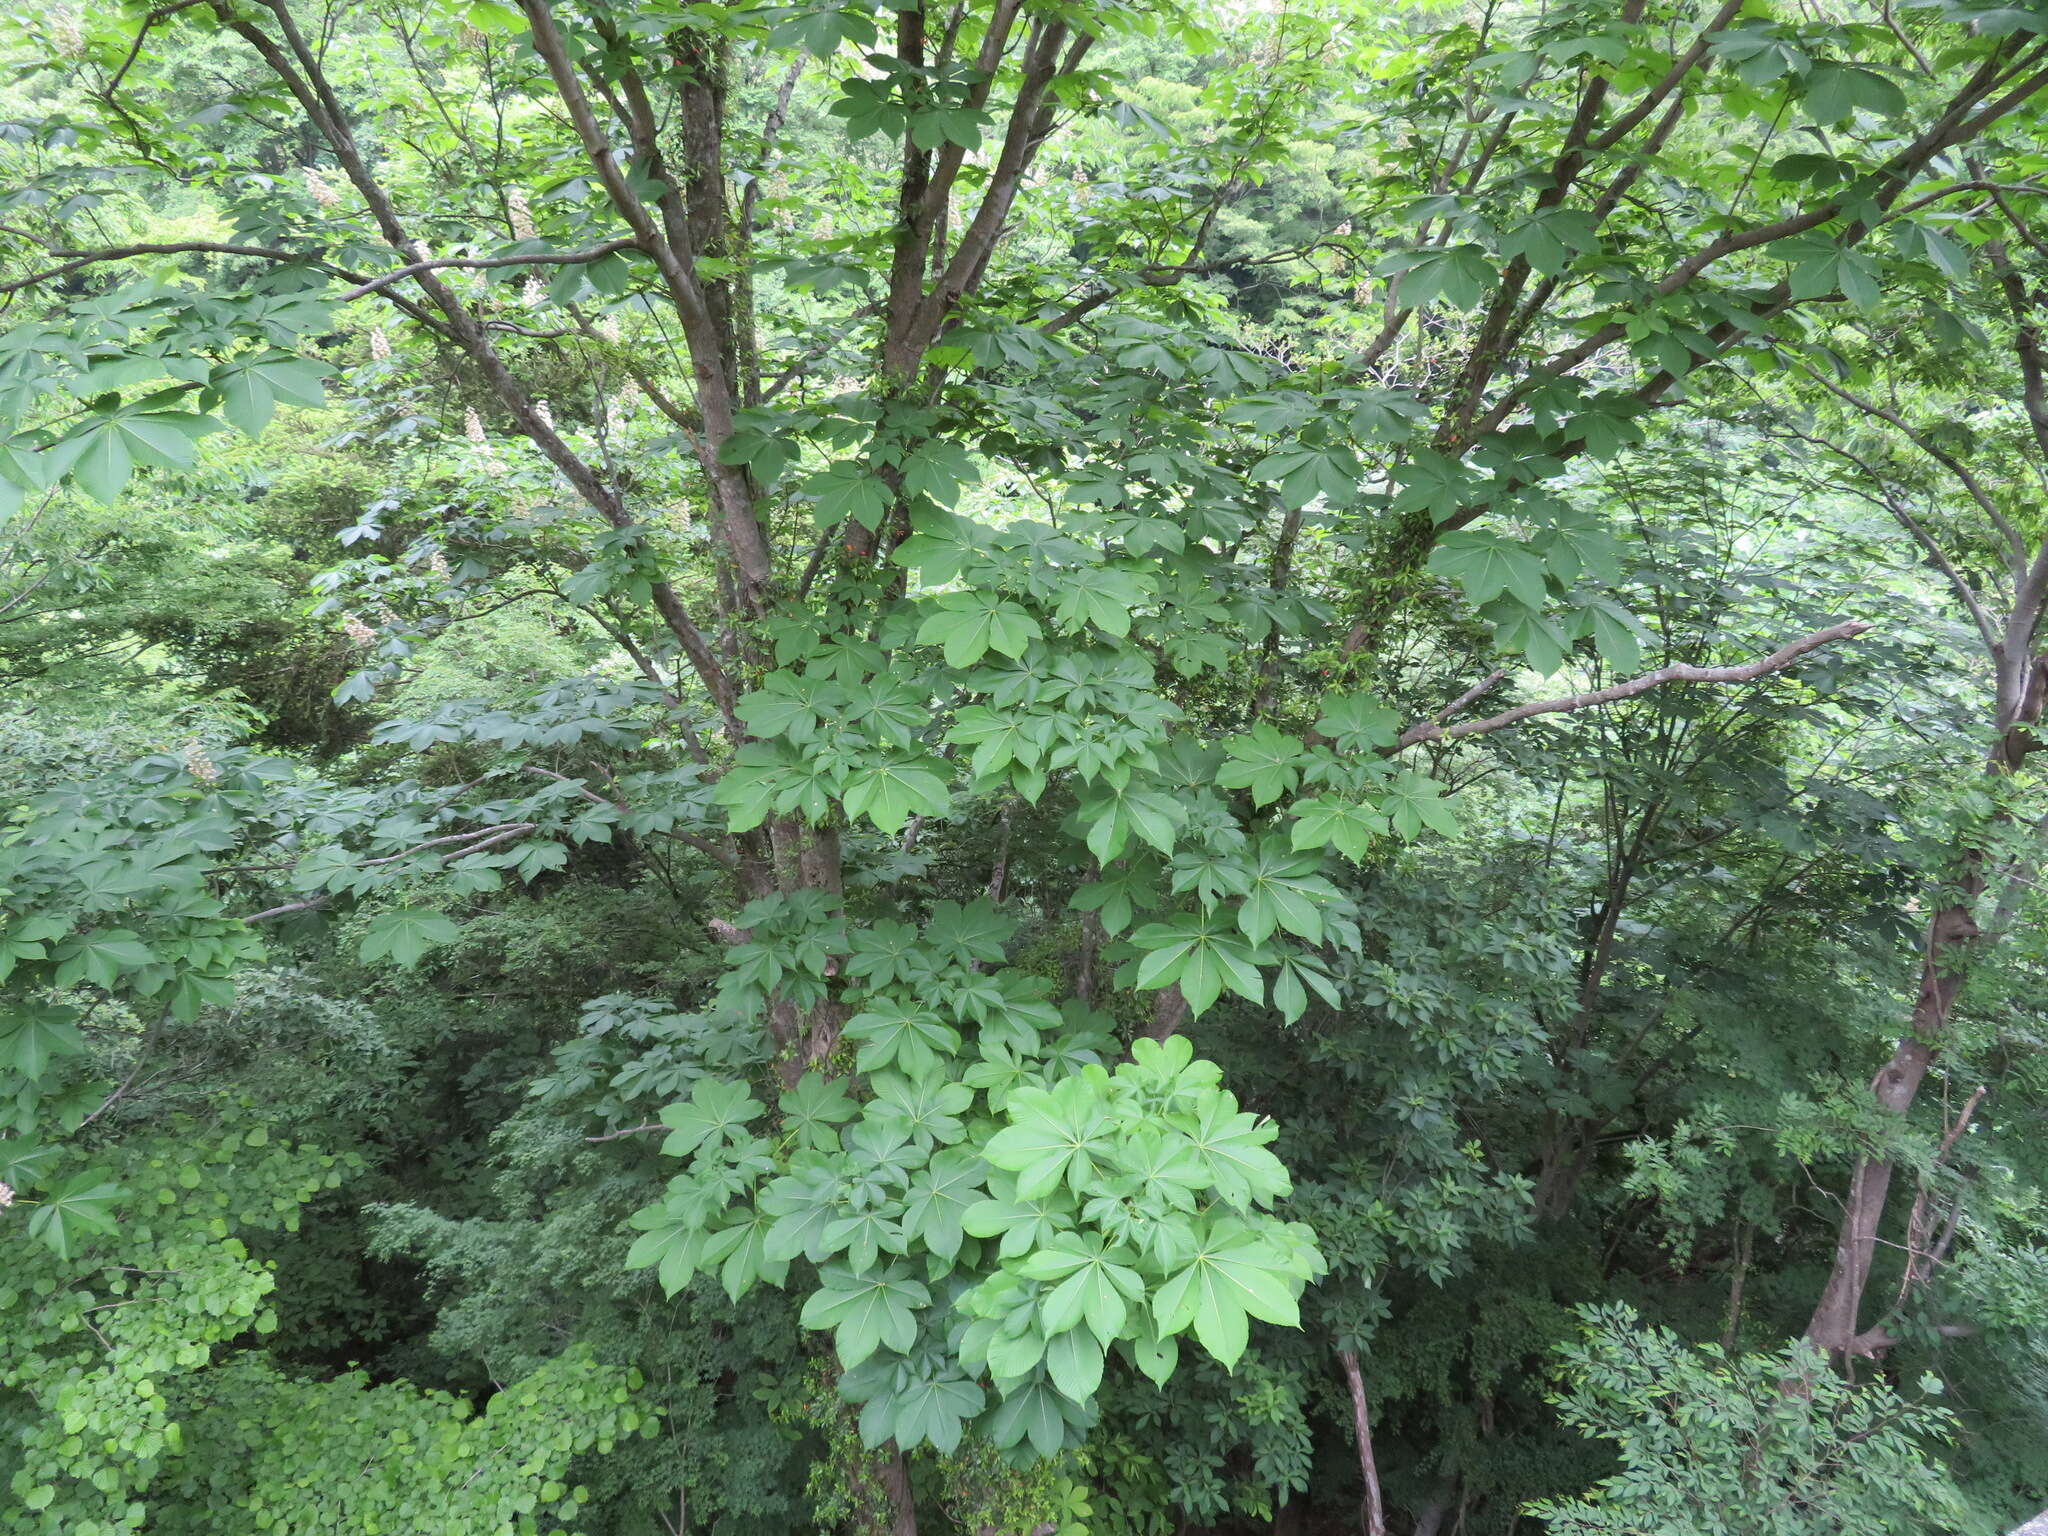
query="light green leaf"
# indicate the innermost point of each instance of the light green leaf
(715, 1112)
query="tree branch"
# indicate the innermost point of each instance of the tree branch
(1676, 672)
(537, 258)
(74, 261)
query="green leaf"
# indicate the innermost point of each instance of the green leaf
(936, 1204)
(789, 706)
(1097, 1282)
(1413, 801)
(894, 1034)
(890, 793)
(1231, 1146)
(1074, 1361)
(1306, 471)
(1021, 1224)
(82, 1204)
(971, 624)
(1486, 566)
(1358, 722)
(804, 1203)
(849, 490)
(1156, 1357)
(672, 1244)
(1617, 634)
(1234, 1275)
(1327, 822)
(1265, 761)
(813, 1107)
(1054, 1136)
(1833, 91)
(29, 939)
(1099, 596)
(33, 1034)
(937, 468)
(928, 1411)
(251, 388)
(1036, 1412)
(866, 1312)
(715, 1112)
(405, 935)
(108, 449)
(1460, 275)
(741, 1252)
(100, 957)
(1284, 891)
(925, 1110)
(1203, 953)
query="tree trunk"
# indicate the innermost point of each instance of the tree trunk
(1372, 1512)
(896, 1484)
(1952, 938)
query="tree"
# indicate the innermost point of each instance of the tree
(963, 526)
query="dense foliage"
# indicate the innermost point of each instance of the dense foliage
(1023, 767)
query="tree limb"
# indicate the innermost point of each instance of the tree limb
(1676, 672)
(536, 258)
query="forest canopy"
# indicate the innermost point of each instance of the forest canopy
(1005, 766)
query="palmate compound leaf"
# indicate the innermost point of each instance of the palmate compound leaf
(1100, 596)
(84, 1203)
(1054, 1135)
(941, 1194)
(866, 1312)
(814, 1107)
(890, 793)
(669, 1246)
(1203, 953)
(1285, 891)
(968, 625)
(1264, 761)
(961, 934)
(1231, 1144)
(251, 387)
(714, 1111)
(1414, 801)
(1328, 822)
(850, 490)
(916, 1410)
(405, 935)
(99, 956)
(741, 1252)
(1358, 722)
(677, 1245)
(1036, 1412)
(34, 1034)
(1487, 565)
(1021, 1224)
(106, 449)
(1235, 1274)
(804, 1203)
(893, 1034)
(1093, 1282)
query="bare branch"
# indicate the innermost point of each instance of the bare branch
(631, 1130)
(1676, 672)
(533, 259)
(74, 261)
(475, 840)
